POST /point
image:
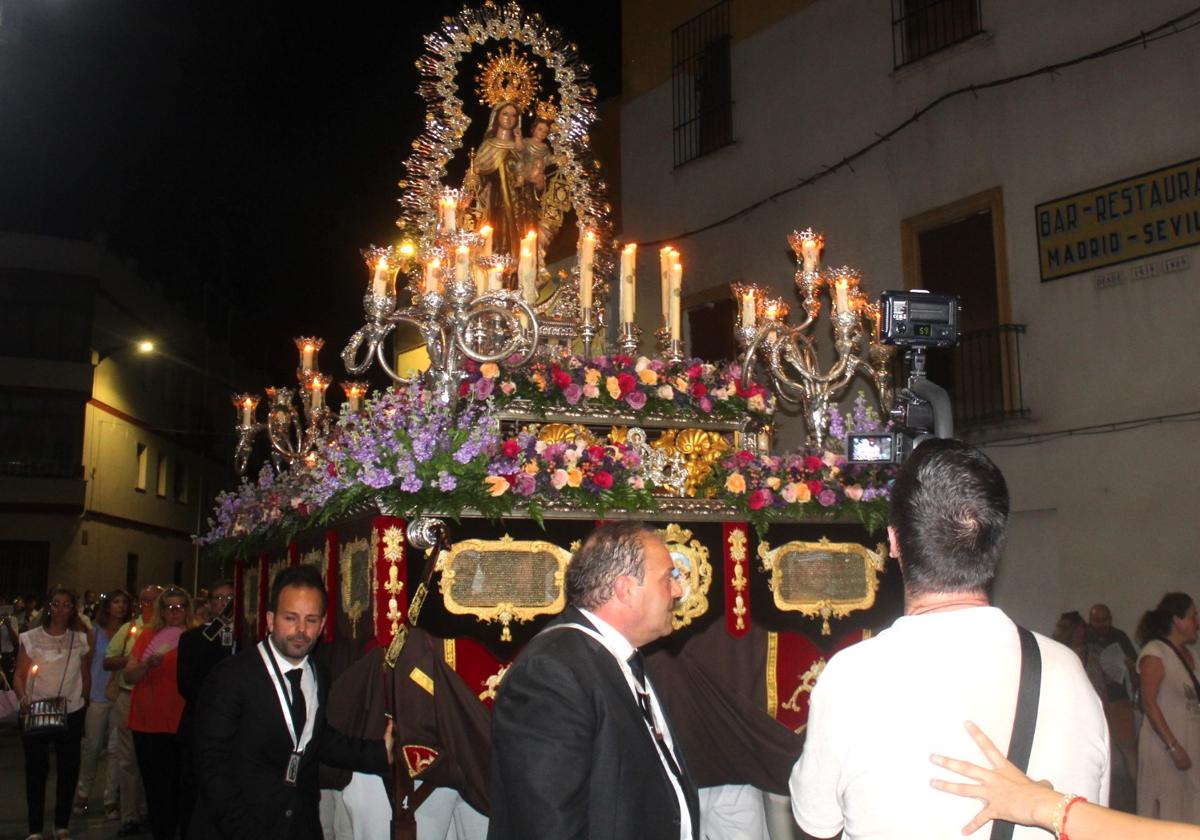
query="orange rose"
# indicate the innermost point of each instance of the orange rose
(736, 483)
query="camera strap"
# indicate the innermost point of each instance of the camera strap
(1020, 745)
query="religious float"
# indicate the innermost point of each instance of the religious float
(443, 510)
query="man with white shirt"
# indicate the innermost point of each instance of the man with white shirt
(882, 706)
(581, 746)
(260, 727)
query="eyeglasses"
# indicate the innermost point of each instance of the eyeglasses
(221, 598)
(173, 607)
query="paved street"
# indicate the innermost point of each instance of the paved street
(13, 825)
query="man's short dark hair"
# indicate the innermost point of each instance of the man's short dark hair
(217, 584)
(304, 576)
(950, 512)
(609, 552)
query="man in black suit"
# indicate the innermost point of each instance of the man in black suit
(581, 747)
(260, 727)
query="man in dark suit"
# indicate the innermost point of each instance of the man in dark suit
(260, 727)
(581, 747)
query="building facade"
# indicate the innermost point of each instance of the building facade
(111, 452)
(1039, 160)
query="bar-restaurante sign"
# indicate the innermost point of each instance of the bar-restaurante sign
(1126, 220)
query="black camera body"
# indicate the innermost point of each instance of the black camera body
(916, 318)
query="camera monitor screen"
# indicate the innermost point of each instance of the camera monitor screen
(871, 448)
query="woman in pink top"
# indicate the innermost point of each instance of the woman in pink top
(155, 708)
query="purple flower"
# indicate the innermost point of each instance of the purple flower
(483, 388)
(572, 393)
(411, 484)
(827, 498)
(636, 400)
(525, 484)
(706, 405)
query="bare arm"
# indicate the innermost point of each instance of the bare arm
(1152, 672)
(1008, 794)
(136, 671)
(85, 663)
(21, 674)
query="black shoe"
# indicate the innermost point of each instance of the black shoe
(130, 829)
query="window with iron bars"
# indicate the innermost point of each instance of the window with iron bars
(701, 84)
(923, 27)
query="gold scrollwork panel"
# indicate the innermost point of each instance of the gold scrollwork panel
(822, 579)
(355, 568)
(694, 572)
(504, 580)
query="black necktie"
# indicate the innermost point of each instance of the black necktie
(299, 708)
(637, 664)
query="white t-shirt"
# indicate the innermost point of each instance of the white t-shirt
(53, 655)
(881, 707)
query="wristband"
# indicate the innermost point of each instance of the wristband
(1059, 824)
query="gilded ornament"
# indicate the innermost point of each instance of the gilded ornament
(701, 450)
(737, 553)
(492, 683)
(693, 571)
(351, 606)
(850, 567)
(507, 77)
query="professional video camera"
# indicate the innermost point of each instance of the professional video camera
(916, 320)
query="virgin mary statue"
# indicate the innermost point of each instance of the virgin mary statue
(504, 197)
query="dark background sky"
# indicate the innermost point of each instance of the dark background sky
(249, 147)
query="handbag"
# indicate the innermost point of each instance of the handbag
(10, 704)
(48, 716)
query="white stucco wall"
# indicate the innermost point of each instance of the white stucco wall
(1104, 517)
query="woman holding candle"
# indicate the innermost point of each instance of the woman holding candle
(100, 724)
(156, 706)
(53, 661)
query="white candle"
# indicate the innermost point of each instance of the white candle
(379, 282)
(486, 233)
(247, 412)
(748, 314)
(494, 283)
(462, 264)
(525, 276)
(676, 301)
(587, 256)
(810, 252)
(433, 270)
(664, 274)
(628, 281)
(318, 396)
(841, 304)
(308, 354)
(479, 276)
(449, 217)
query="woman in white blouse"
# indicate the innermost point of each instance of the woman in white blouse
(53, 661)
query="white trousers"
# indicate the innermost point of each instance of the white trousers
(361, 811)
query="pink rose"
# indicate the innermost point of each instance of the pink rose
(558, 479)
(854, 492)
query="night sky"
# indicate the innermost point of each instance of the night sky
(244, 148)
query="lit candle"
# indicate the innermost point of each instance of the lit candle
(462, 264)
(379, 281)
(308, 356)
(449, 214)
(527, 267)
(32, 679)
(664, 274)
(587, 256)
(840, 302)
(810, 251)
(433, 271)
(676, 300)
(748, 314)
(486, 233)
(248, 411)
(628, 281)
(355, 391)
(317, 386)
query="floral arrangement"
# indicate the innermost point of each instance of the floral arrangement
(686, 389)
(578, 474)
(773, 487)
(406, 452)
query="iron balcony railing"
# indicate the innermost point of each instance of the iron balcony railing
(923, 27)
(982, 375)
(702, 84)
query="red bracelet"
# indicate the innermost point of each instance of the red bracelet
(1062, 832)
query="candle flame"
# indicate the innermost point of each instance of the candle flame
(33, 670)
(589, 235)
(247, 403)
(462, 249)
(486, 230)
(407, 249)
(382, 263)
(531, 235)
(631, 248)
(436, 262)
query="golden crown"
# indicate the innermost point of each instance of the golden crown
(546, 110)
(507, 77)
